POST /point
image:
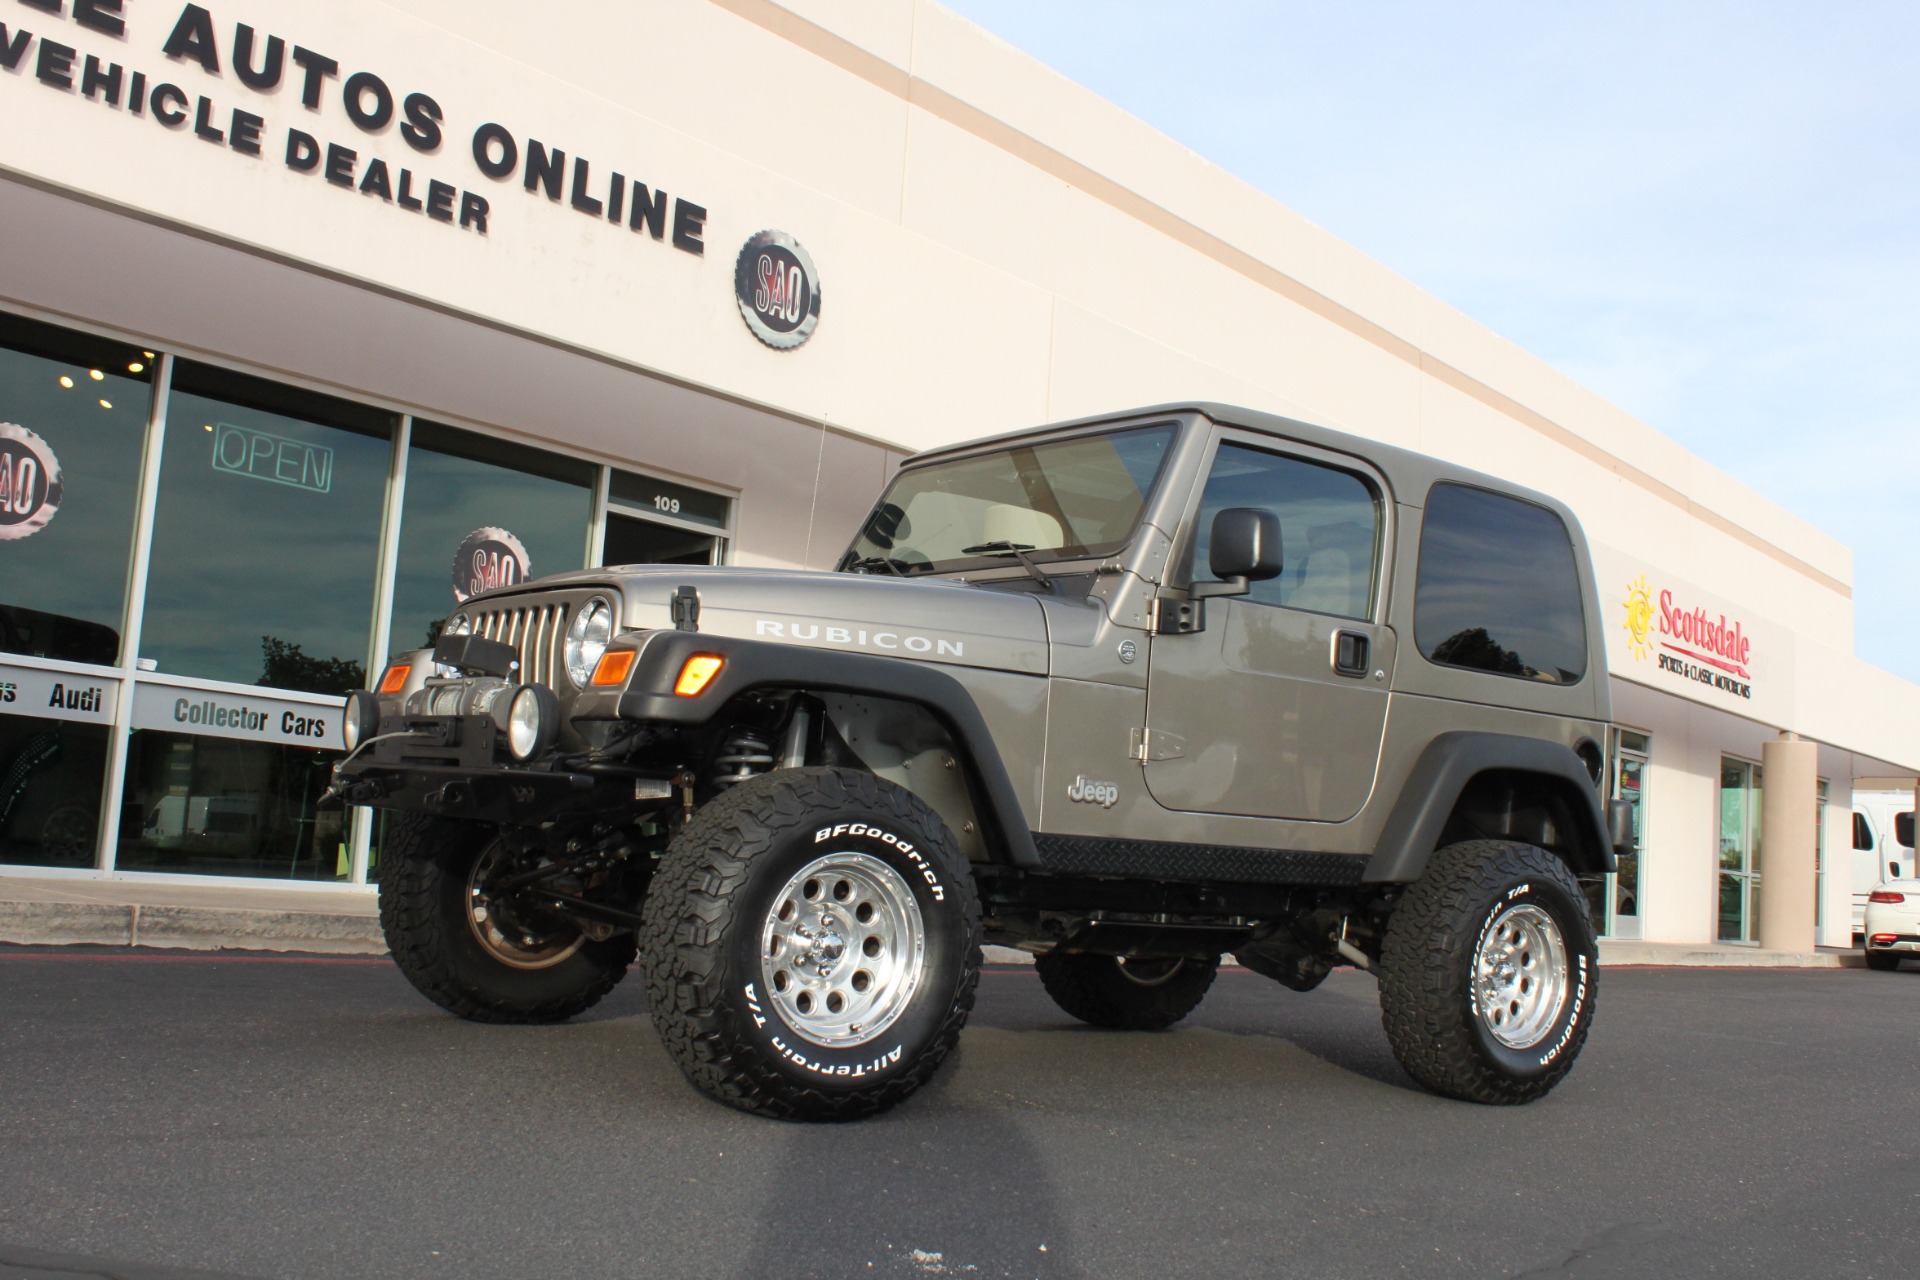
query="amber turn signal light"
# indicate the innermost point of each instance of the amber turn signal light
(396, 678)
(697, 673)
(614, 665)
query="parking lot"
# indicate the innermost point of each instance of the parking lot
(294, 1117)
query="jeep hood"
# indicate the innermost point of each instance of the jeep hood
(931, 620)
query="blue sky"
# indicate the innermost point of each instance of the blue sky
(1708, 213)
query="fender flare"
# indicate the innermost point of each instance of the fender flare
(755, 664)
(1449, 764)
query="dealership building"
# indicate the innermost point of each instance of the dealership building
(315, 319)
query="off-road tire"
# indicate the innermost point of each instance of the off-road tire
(426, 863)
(715, 902)
(1142, 995)
(1884, 961)
(1427, 969)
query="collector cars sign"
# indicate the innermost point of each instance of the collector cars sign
(29, 482)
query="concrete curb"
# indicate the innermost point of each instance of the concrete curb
(200, 927)
(188, 928)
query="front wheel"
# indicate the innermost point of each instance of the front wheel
(811, 946)
(471, 944)
(1143, 994)
(1488, 973)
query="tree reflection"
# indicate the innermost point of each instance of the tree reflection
(286, 667)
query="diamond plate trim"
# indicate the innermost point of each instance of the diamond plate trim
(1166, 860)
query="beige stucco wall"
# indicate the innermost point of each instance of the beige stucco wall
(997, 247)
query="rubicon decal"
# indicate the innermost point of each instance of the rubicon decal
(1693, 643)
(30, 487)
(860, 637)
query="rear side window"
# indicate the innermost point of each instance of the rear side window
(1497, 588)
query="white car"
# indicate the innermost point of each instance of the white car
(1893, 923)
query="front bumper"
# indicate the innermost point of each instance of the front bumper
(458, 766)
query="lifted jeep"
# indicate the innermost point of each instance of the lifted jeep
(1128, 693)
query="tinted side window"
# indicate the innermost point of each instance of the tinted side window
(1862, 832)
(1497, 588)
(1328, 527)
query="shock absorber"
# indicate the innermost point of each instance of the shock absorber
(745, 754)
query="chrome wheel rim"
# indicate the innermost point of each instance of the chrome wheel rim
(843, 949)
(1520, 976)
(1152, 971)
(505, 931)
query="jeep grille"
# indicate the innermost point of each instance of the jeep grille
(537, 631)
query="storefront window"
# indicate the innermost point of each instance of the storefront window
(50, 776)
(479, 513)
(1739, 849)
(227, 806)
(73, 413)
(266, 540)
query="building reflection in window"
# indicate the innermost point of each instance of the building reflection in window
(225, 806)
(534, 509)
(50, 776)
(63, 557)
(266, 538)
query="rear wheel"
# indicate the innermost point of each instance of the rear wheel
(471, 944)
(1488, 973)
(1884, 961)
(1145, 994)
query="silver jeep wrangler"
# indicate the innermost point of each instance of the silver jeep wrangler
(1127, 693)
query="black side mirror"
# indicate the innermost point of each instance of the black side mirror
(1244, 549)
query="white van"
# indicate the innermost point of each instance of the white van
(1882, 843)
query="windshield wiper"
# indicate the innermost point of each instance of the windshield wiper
(1018, 550)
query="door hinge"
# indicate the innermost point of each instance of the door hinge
(1154, 744)
(1171, 617)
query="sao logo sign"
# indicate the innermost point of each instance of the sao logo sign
(30, 487)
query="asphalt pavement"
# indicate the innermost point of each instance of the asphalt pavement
(303, 1118)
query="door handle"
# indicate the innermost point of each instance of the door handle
(1352, 651)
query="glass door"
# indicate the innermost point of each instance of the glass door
(1739, 849)
(1623, 897)
(653, 521)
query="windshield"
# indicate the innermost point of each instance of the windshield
(1060, 500)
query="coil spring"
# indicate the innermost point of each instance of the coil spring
(744, 755)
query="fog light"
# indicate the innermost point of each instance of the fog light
(361, 720)
(532, 721)
(697, 673)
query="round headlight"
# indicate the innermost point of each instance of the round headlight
(587, 639)
(362, 718)
(532, 721)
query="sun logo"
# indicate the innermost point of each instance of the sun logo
(1639, 624)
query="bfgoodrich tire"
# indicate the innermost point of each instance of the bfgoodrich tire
(1488, 973)
(811, 946)
(1125, 995)
(484, 957)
